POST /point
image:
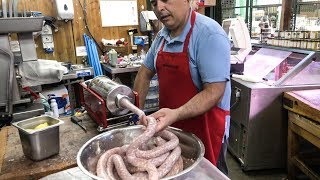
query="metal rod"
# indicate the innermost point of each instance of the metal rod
(4, 8)
(10, 8)
(15, 8)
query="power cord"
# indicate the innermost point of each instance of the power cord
(238, 95)
(87, 27)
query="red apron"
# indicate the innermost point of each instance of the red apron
(176, 88)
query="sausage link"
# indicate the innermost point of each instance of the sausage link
(133, 147)
(169, 162)
(137, 161)
(173, 142)
(177, 167)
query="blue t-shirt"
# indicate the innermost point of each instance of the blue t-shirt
(209, 53)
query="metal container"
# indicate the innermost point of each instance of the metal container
(42, 143)
(191, 146)
(109, 90)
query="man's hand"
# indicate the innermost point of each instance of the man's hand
(165, 117)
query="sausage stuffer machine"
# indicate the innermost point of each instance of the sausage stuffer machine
(108, 103)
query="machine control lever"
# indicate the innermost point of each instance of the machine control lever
(78, 121)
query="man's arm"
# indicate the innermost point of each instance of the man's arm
(141, 84)
(211, 94)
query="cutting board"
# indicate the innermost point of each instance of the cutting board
(14, 165)
(305, 103)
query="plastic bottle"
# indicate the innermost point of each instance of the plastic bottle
(54, 108)
(142, 54)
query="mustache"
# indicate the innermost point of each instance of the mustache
(164, 15)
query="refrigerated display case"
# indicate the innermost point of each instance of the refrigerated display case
(258, 130)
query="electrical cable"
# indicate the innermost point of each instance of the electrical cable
(238, 95)
(87, 27)
(232, 107)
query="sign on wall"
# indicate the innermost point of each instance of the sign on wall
(118, 12)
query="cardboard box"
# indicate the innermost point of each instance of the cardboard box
(207, 3)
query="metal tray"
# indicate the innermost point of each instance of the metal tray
(192, 148)
(21, 24)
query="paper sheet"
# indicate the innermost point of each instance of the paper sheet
(263, 62)
(118, 12)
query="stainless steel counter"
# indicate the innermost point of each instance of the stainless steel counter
(117, 70)
(85, 71)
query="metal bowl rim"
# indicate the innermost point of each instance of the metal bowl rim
(196, 162)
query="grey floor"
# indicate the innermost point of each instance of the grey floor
(236, 173)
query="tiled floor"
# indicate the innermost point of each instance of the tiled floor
(236, 173)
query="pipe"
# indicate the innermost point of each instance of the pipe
(15, 8)
(4, 8)
(10, 8)
(93, 57)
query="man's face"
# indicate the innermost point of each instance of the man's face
(171, 13)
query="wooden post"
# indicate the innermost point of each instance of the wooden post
(286, 15)
(293, 149)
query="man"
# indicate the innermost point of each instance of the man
(191, 56)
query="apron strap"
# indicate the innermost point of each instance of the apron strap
(186, 43)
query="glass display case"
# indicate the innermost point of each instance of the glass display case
(235, 8)
(280, 66)
(262, 17)
(306, 15)
(258, 127)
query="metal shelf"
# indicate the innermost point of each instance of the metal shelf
(21, 24)
(263, 6)
(236, 7)
(308, 3)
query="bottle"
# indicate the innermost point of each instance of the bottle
(113, 57)
(142, 54)
(54, 108)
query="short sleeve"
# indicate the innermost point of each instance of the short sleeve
(213, 58)
(149, 61)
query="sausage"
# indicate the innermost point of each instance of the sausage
(177, 167)
(168, 146)
(133, 147)
(130, 162)
(169, 162)
(102, 162)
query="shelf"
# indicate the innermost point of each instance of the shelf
(237, 7)
(308, 3)
(266, 6)
(285, 48)
(20, 24)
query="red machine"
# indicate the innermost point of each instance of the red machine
(101, 98)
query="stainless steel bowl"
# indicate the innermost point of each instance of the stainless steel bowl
(87, 158)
